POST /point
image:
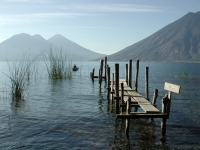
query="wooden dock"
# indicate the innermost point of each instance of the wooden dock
(125, 97)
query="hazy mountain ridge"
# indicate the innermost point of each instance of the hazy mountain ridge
(178, 41)
(16, 46)
(73, 48)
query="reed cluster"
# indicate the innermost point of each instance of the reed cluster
(184, 74)
(19, 75)
(59, 65)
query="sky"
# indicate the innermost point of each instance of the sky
(103, 26)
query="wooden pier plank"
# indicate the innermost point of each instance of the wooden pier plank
(142, 115)
(136, 98)
(133, 93)
(149, 108)
(126, 88)
(146, 105)
(126, 95)
(133, 101)
(141, 100)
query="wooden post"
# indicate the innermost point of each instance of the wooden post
(122, 97)
(112, 84)
(117, 87)
(171, 88)
(105, 67)
(122, 93)
(108, 82)
(147, 83)
(155, 95)
(165, 101)
(100, 72)
(169, 102)
(126, 73)
(100, 80)
(130, 73)
(117, 80)
(92, 74)
(106, 75)
(136, 76)
(128, 110)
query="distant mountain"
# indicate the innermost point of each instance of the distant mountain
(75, 50)
(16, 46)
(178, 41)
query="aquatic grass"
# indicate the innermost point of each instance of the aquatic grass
(19, 75)
(184, 74)
(58, 64)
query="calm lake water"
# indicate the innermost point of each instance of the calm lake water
(75, 114)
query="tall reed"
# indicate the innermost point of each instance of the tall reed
(19, 75)
(59, 65)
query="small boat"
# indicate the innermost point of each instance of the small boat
(74, 68)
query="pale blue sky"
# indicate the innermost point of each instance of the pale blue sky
(104, 26)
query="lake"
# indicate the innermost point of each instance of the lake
(75, 114)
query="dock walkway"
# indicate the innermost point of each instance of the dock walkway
(120, 91)
(136, 98)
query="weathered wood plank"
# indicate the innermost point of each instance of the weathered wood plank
(132, 104)
(142, 115)
(141, 100)
(146, 105)
(133, 101)
(126, 88)
(172, 87)
(149, 108)
(126, 93)
(133, 93)
(122, 80)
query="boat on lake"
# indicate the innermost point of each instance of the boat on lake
(75, 68)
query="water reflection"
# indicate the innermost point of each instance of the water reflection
(17, 104)
(141, 135)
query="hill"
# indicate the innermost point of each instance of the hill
(178, 41)
(16, 46)
(75, 50)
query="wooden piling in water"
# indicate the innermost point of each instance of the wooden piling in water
(128, 110)
(108, 81)
(122, 96)
(92, 73)
(106, 76)
(165, 106)
(126, 73)
(122, 92)
(155, 95)
(130, 73)
(100, 72)
(117, 87)
(147, 83)
(105, 60)
(136, 75)
(112, 87)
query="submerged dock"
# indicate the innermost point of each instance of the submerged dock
(126, 97)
